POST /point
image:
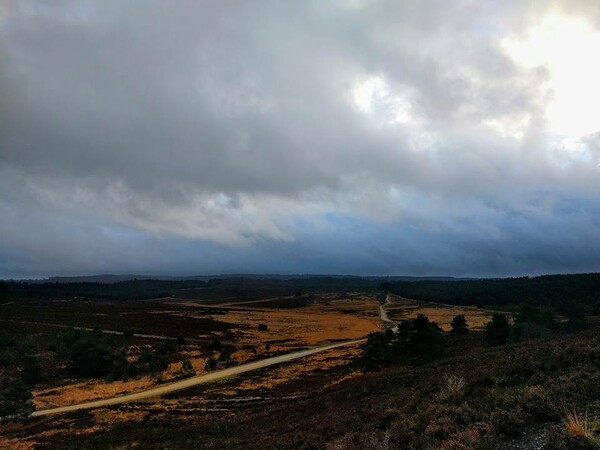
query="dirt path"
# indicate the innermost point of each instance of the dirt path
(195, 381)
(383, 315)
(260, 300)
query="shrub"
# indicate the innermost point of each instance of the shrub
(548, 319)
(453, 387)
(424, 340)
(186, 368)
(459, 325)
(418, 340)
(32, 367)
(498, 330)
(225, 354)
(128, 333)
(4, 341)
(558, 438)
(377, 351)
(576, 319)
(210, 364)
(262, 327)
(120, 366)
(89, 356)
(167, 346)
(579, 433)
(15, 400)
(215, 344)
(148, 362)
(371, 440)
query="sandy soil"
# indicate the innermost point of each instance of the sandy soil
(309, 325)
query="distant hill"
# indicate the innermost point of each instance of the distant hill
(112, 278)
(107, 278)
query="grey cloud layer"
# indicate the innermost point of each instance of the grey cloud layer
(234, 123)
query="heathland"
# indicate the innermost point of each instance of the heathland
(429, 364)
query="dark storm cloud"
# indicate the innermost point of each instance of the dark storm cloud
(235, 136)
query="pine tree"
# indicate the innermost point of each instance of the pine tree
(498, 330)
(15, 400)
(459, 325)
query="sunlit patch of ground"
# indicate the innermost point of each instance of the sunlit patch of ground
(401, 308)
(86, 391)
(16, 444)
(307, 326)
(279, 375)
(108, 417)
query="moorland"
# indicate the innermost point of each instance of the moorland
(452, 364)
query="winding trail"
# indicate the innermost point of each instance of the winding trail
(195, 381)
(383, 315)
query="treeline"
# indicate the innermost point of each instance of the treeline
(558, 291)
(144, 289)
(124, 290)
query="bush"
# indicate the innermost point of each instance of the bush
(32, 367)
(186, 368)
(558, 438)
(418, 340)
(425, 340)
(128, 333)
(15, 400)
(167, 346)
(576, 319)
(89, 357)
(548, 319)
(497, 331)
(215, 345)
(149, 362)
(4, 341)
(459, 325)
(225, 354)
(262, 327)
(377, 351)
(210, 364)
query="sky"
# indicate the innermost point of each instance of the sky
(361, 137)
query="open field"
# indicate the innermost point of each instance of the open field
(401, 308)
(303, 321)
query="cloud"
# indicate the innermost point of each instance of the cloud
(263, 133)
